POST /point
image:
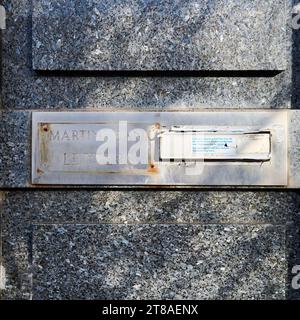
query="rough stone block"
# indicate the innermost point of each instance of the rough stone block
(294, 149)
(25, 89)
(158, 262)
(16, 248)
(15, 153)
(234, 227)
(152, 206)
(159, 35)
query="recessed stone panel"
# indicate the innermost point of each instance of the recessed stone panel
(159, 35)
(158, 262)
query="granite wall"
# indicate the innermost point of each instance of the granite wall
(93, 243)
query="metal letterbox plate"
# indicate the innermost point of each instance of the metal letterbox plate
(219, 145)
(160, 148)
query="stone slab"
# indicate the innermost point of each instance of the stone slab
(16, 250)
(25, 89)
(26, 213)
(158, 262)
(151, 206)
(14, 149)
(294, 149)
(155, 35)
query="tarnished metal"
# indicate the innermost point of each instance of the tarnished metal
(65, 148)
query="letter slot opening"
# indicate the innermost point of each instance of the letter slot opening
(215, 144)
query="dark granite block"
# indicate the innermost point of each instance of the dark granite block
(16, 248)
(133, 261)
(21, 209)
(158, 262)
(294, 149)
(293, 254)
(159, 35)
(15, 156)
(25, 89)
(95, 209)
(140, 206)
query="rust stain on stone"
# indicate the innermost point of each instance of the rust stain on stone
(152, 168)
(39, 171)
(44, 139)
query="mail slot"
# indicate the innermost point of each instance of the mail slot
(216, 144)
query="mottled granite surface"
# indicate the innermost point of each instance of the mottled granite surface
(158, 262)
(121, 243)
(140, 244)
(24, 88)
(159, 35)
(16, 250)
(155, 206)
(294, 149)
(15, 159)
